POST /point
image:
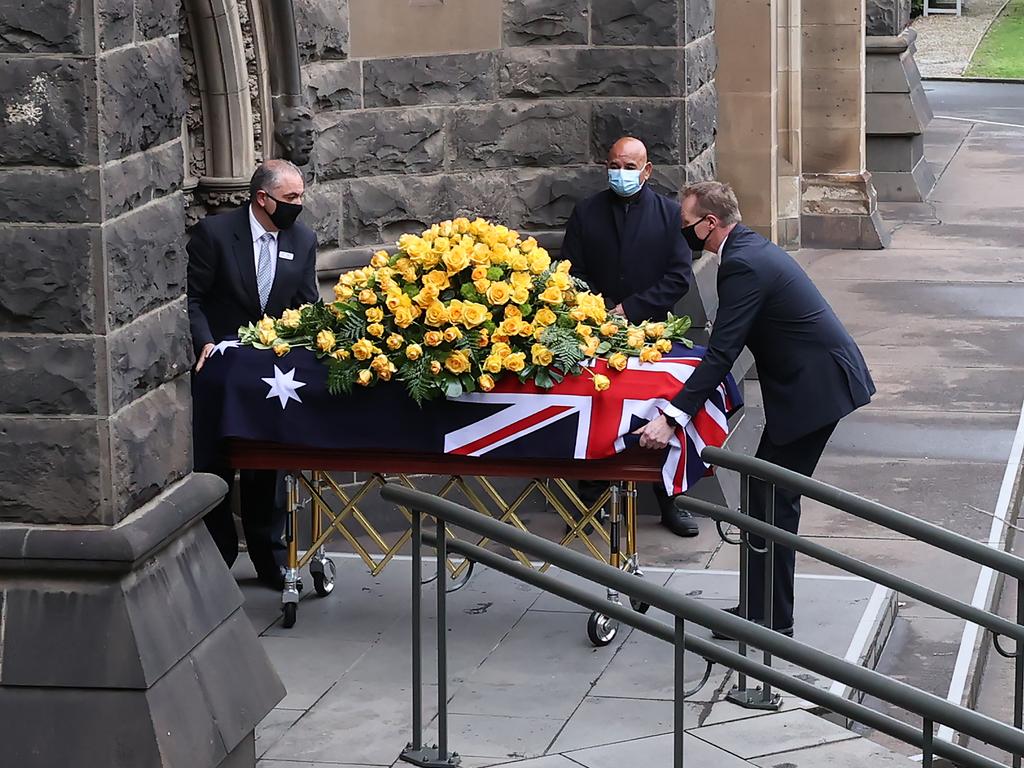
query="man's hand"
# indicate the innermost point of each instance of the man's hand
(656, 433)
(207, 351)
(618, 310)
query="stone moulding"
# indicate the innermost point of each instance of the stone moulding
(223, 192)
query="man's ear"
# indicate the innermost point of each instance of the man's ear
(648, 170)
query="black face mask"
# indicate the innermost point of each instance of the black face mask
(695, 243)
(285, 214)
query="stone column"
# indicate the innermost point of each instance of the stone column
(788, 99)
(748, 108)
(122, 638)
(839, 208)
(897, 107)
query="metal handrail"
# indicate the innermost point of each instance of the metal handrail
(930, 707)
(993, 622)
(714, 652)
(851, 503)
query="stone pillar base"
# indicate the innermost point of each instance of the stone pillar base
(127, 646)
(841, 211)
(896, 115)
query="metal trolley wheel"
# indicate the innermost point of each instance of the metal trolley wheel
(323, 580)
(601, 629)
(638, 605)
(290, 611)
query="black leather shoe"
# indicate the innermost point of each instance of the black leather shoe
(680, 522)
(735, 611)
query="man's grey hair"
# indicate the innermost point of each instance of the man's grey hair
(714, 198)
(268, 174)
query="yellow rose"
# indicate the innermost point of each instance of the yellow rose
(577, 313)
(291, 318)
(618, 361)
(663, 345)
(482, 285)
(538, 332)
(457, 362)
(428, 295)
(483, 340)
(479, 272)
(583, 330)
(379, 363)
(395, 341)
(499, 292)
(384, 374)
(414, 352)
(511, 326)
(590, 346)
(520, 295)
(564, 267)
(526, 329)
(649, 355)
(366, 296)
(363, 349)
(521, 280)
(341, 354)
(442, 244)
(539, 261)
(342, 292)
(433, 338)
(609, 329)
(281, 349)
(635, 338)
(435, 367)
(437, 278)
(528, 245)
(501, 349)
(437, 314)
(375, 314)
(266, 324)
(519, 261)
(482, 256)
(473, 314)
(551, 295)
(380, 259)
(545, 316)
(325, 341)
(365, 376)
(601, 382)
(451, 334)
(461, 225)
(375, 329)
(541, 355)
(486, 382)
(403, 317)
(559, 280)
(515, 362)
(492, 364)
(455, 310)
(654, 330)
(267, 336)
(456, 260)
(513, 311)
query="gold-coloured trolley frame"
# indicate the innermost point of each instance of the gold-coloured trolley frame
(334, 507)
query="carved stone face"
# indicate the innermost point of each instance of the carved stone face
(293, 131)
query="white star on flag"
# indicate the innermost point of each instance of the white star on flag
(283, 386)
(224, 346)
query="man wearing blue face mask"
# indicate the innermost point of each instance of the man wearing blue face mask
(626, 244)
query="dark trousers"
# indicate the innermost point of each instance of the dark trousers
(801, 456)
(590, 491)
(263, 511)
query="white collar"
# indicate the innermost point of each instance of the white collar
(256, 228)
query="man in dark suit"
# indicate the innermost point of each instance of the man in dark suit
(625, 243)
(242, 265)
(811, 372)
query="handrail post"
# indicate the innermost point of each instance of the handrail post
(417, 641)
(927, 745)
(744, 611)
(1018, 671)
(680, 693)
(442, 642)
(769, 586)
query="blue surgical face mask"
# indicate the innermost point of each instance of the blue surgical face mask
(624, 182)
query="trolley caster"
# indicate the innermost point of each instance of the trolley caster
(323, 578)
(601, 629)
(638, 605)
(290, 611)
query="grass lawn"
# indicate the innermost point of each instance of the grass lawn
(1001, 53)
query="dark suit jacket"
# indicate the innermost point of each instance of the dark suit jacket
(632, 255)
(811, 371)
(222, 293)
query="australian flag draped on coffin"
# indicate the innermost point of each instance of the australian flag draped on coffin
(251, 394)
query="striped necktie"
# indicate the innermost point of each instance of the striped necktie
(264, 276)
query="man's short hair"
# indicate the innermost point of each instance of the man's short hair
(714, 198)
(267, 175)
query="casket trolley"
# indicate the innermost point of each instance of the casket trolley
(334, 507)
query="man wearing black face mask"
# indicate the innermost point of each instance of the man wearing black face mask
(242, 265)
(810, 370)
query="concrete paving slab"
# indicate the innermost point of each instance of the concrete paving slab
(855, 753)
(549, 602)
(274, 726)
(592, 724)
(772, 734)
(727, 712)
(558, 699)
(551, 761)
(306, 764)
(657, 751)
(953, 389)
(998, 265)
(310, 665)
(499, 738)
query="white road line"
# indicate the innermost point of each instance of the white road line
(977, 120)
(862, 636)
(982, 590)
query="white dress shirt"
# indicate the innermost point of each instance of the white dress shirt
(257, 232)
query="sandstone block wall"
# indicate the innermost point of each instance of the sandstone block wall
(461, 126)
